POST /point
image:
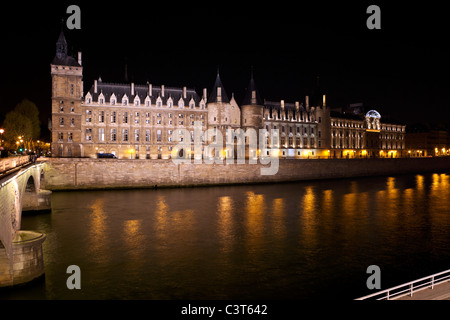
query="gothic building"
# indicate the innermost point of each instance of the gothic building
(135, 121)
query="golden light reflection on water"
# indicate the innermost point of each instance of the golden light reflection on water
(168, 223)
(439, 194)
(134, 238)
(308, 218)
(98, 228)
(278, 218)
(419, 183)
(161, 212)
(255, 210)
(349, 203)
(225, 223)
(132, 232)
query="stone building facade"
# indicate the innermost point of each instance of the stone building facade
(134, 121)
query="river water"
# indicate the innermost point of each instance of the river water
(306, 240)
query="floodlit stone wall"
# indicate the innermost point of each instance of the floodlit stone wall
(72, 174)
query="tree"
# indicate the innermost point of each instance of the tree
(22, 122)
(29, 110)
(17, 125)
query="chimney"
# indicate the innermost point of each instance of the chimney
(282, 104)
(162, 90)
(79, 58)
(324, 100)
(307, 102)
(132, 88)
(95, 86)
(205, 96)
(184, 92)
(149, 89)
(297, 106)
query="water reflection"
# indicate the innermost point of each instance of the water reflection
(133, 237)
(308, 218)
(97, 231)
(278, 218)
(255, 212)
(293, 241)
(225, 223)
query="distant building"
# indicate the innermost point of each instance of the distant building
(135, 121)
(428, 143)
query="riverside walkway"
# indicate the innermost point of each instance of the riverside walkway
(439, 292)
(433, 287)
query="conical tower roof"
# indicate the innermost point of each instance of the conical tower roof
(218, 93)
(252, 95)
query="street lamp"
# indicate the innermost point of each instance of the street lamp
(1, 136)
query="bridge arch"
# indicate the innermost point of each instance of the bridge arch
(14, 195)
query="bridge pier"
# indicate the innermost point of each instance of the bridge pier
(27, 261)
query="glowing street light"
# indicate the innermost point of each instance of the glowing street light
(1, 135)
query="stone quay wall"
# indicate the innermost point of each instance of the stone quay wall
(85, 174)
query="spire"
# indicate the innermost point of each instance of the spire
(61, 45)
(126, 72)
(62, 58)
(316, 99)
(252, 95)
(218, 93)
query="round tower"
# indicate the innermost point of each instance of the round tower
(252, 118)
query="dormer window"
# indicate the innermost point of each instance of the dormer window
(170, 103)
(180, 103)
(113, 99)
(101, 98)
(137, 101)
(88, 98)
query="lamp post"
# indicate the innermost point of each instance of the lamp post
(1, 138)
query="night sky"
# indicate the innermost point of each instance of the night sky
(401, 70)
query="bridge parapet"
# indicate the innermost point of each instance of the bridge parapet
(12, 162)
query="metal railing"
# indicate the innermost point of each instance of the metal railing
(410, 288)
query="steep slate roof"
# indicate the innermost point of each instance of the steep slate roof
(61, 58)
(119, 90)
(289, 108)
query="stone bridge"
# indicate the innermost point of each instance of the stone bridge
(21, 257)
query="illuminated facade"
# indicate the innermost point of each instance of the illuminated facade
(134, 121)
